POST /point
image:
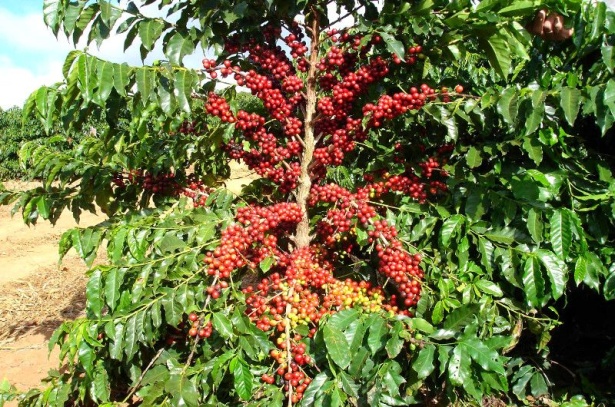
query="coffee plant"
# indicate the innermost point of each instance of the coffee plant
(433, 181)
(16, 130)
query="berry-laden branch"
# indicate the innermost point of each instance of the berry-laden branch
(319, 109)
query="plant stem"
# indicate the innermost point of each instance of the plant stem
(302, 237)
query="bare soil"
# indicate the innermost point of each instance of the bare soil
(36, 293)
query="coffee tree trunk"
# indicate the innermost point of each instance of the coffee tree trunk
(302, 238)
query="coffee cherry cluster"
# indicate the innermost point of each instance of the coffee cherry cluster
(198, 328)
(253, 238)
(166, 184)
(290, 374)
(188, 127)
(197, 191)
(414, 52)
(389, 107)
(353, 210)
(218, 106)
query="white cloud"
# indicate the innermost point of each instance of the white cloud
(39, 54)
(29, 33)
(17, 83)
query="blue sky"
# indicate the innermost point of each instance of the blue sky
(31, 56)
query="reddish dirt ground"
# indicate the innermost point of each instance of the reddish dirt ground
(33, 296)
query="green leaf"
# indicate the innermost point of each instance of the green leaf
(519, 7)
(487, 358)
(117, 346)
(598, 20)
(183, 84)
(100, 385)
(377, 330)
(459, 366)
(449, 228)
(337, 346)
(170, 243)
(508, 105)
(533, 283)
(609, 288)
(93, 292)
(223, 325)
(422, 325)
(556, 270)
(534, 224)
(86, 77)
(608, 56)
(145, 83)
(395, 343)
(438, 312)
(266, 263)
(561, 232)
(149, 32)
(498, 53)
(341, 320)
(348, 385)
(534, 119)
(504, 236)
(172, 309)
(314, 389)
(570, 102)
(475, 206)
(182, 390)
(423, 365)
(86, 357)
(533, 149)
(132, 332)
(393, 45)
(121, 77)
(538, 385)
(105, 73)
(178, 47)
(51, 14)
(242, 377)
(392, 378)
(473, 157)
(489, 287)
(522, 378)
(460, 317)
(580, 270)
(109, 14)
(43, 207)
(113, 282)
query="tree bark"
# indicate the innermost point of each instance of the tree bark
(302, 237)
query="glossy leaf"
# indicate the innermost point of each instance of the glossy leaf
(556, 270)
(533, 282)
(561, 233)
(242, 378)
(570, 103)
(93, 293)
(449, 228)
(337, 346)
(534, 224)
(487, 358)
(424, 363)
(222, 325)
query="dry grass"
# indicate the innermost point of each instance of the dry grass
(40, 304)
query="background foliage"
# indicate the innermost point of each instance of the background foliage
(527, 221)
